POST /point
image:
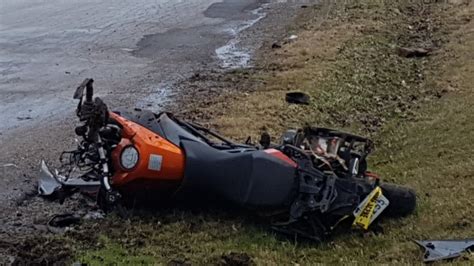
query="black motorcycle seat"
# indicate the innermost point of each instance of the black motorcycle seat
(250, 178)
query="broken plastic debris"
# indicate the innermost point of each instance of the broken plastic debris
(94, 215)
(49, 183)
(436, 250)
(293, 37)
(10, 165)
(60, 223)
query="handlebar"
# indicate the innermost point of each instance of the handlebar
(89, 90)
(94, 113)
(86, 84)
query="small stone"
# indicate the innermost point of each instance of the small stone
(40, 227)
(413, 52)
(21, 118)
(276, 46)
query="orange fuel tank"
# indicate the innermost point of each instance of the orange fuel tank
(159, 161)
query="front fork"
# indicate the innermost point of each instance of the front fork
(111, 196)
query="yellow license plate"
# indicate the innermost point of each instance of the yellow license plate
(370, 208)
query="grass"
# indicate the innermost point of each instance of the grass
(419, 111)
(346, 60)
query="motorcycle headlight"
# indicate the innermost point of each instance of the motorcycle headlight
(129, 157)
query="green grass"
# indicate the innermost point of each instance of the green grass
(113, 253)
(434, 155)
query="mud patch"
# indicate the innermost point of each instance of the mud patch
(180, 44)
(236, 259)
(39, 251)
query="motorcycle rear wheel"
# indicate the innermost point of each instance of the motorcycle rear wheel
(402, 200)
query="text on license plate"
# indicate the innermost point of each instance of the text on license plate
(370, 208)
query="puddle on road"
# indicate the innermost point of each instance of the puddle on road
(156, 98)
(220, 43)
(233, 55)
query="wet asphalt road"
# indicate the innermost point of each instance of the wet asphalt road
(48, 47)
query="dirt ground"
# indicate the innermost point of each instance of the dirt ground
(346, 57)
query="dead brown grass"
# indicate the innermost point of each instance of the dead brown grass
(345, 59)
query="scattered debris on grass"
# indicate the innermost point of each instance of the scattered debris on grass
(41, 251)
(297, 98)
(413, 52)
(236, 259)
(292, 37)
(59, 222)
(276, 45)
(436, 250)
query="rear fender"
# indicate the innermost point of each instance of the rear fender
(280, 155)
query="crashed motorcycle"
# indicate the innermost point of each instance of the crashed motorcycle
(305, 185)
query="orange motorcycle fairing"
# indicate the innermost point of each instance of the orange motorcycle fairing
(158, 159)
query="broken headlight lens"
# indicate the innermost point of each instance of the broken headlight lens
(129, 157)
